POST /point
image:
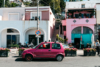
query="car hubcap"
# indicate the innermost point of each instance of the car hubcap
(59, 58)
(29, 58)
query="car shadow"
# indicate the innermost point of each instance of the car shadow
(35, 60)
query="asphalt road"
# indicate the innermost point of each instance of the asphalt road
(78, 61)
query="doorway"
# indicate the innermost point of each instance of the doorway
(33, 39)
(77, 42)
(12, 39)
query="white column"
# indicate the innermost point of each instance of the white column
(81, 29)
(0, 40)
(22, 39)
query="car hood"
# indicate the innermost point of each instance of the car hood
(29, 49)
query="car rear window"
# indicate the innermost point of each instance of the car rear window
(56, 46)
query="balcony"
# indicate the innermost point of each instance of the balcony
(81, 13)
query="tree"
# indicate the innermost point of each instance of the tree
(54, 4)
(33, 3)
(6, 3)
(62, 5)
(1, 3)
(13, 5)
(27, 3)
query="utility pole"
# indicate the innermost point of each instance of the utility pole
(54, 7)
(4, 3)
(38, 21)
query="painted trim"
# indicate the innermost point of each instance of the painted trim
(39, 10)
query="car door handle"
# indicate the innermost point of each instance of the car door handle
(49, 50)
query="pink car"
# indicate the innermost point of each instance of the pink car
(45, 50)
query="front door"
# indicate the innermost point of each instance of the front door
(12, 39)
(33, 39)
(43, 51)
(77, 42)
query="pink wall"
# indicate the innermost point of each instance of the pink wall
(27, 16)
(79, 22)
(45, 15)
(64, 33)
(63, 22)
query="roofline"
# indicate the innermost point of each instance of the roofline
(78, 8)
(97, 3)
(24, 7)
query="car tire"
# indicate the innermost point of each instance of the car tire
(59, 58)
(28, 57)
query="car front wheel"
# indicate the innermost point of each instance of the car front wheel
(59, 58)
(28, 58)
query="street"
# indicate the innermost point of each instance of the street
(79, 61)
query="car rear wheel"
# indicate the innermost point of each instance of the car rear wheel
(59, 58)
(28, 58)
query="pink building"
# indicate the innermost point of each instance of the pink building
(79, 26)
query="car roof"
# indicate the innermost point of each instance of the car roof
(51, 42)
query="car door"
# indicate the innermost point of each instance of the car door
(43, 51)
(55, 49)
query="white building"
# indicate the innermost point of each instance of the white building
(20, 0)
(81, 4)
(19, 25)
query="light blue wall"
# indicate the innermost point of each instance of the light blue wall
(86, 38)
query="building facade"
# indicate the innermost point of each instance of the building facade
(18, 25)
(97, 26)
(79, 26)
(78, 0)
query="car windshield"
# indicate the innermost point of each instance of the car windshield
(35, 46)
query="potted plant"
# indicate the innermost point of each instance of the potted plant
(21, 51)
(85, 15)
(14, 46)
(57, 37)
(89, 52)
(66, 39)
(4, 52)
(79, 15)
(70, 51)
(73, 51)
(67, 52)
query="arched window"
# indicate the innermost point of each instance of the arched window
(12, 31)
(87, 30)
(77, 30)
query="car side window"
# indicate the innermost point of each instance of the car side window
(56, 46)
(44, 46)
